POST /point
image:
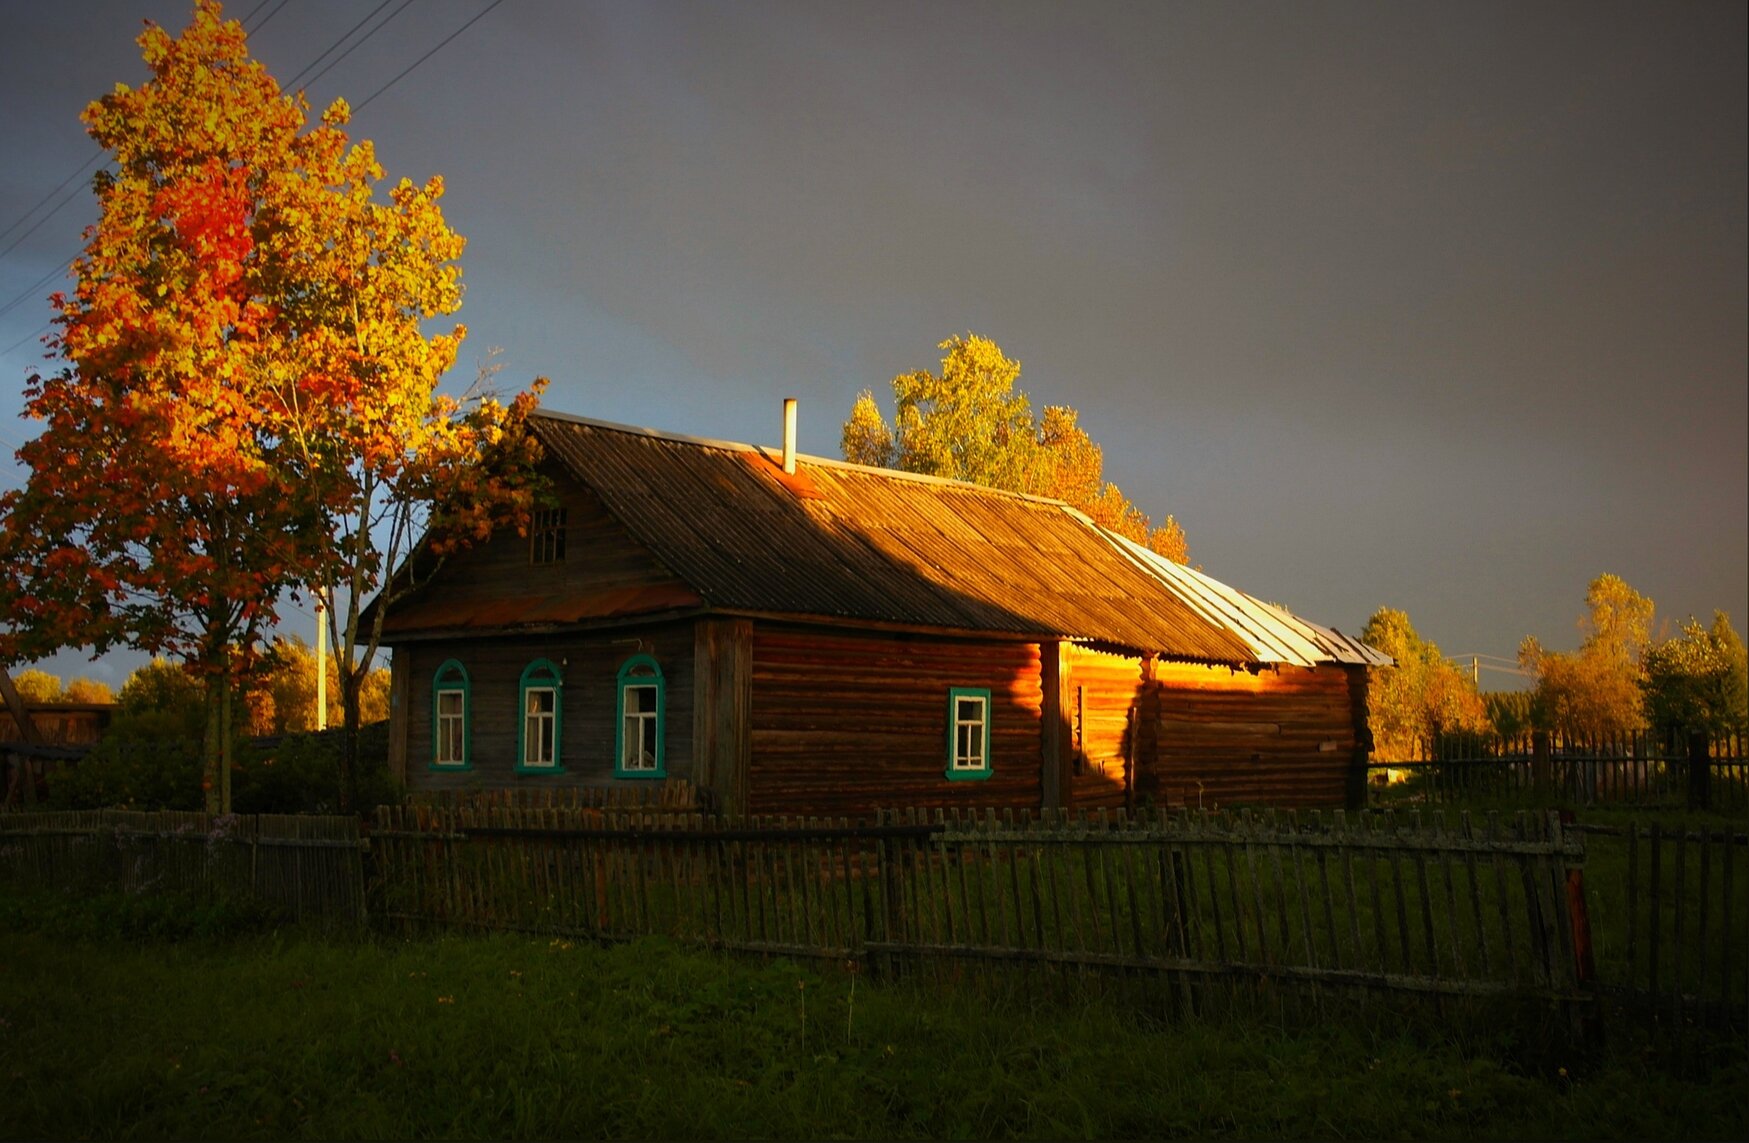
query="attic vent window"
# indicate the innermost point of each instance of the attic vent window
(547, 536)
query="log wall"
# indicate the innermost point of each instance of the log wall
(1145, 731)
(1100, 690)
(1285, 736)
(605, 573)
(846, 724)
(588, 703)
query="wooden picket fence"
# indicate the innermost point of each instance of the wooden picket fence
(1203, 903)
(310, 868)
(1639, 769)
(1676, 921)
(1201, 907)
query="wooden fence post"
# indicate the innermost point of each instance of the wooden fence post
(1542, 763)
(1699, 771)
(1589, 1023)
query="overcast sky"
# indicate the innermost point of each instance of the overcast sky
(1443, 307)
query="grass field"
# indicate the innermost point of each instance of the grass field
(137, 1019)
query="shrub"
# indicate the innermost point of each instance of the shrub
(301, 775)
(144, 762)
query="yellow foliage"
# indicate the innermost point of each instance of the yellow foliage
(969, 422)
(36, 686)
(88, 691)
(1411, 704)
(1596, 690)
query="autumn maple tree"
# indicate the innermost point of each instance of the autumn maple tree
(969, 422)
(153, 514)
(247, 398)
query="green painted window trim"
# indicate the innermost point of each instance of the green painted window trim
(542, 674)
(626, 680)
(440, 683)
(959, 774)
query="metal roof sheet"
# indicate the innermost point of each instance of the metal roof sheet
(1274, 634)
(845, 541)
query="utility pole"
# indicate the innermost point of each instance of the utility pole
(321, 665)
(1476, 670)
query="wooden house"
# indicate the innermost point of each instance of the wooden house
(801, 635)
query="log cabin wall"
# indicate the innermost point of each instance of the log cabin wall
(845, 724)
(588, 703)
(1285, 736)
(1098, 693)
(603, 573)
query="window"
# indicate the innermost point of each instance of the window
(537, 736)
(449, 717)
(968, 734)
(546, 536)
(638, 738)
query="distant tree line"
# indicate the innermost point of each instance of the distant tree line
(1621, 679)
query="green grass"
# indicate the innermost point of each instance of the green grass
(110, 1031)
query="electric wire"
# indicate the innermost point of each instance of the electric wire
(32, 336)
(266, 18)
(298, 80)
(84, 167)
(440, 46)
(80, 170)
(29, 291)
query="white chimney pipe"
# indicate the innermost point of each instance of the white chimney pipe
(789, 435)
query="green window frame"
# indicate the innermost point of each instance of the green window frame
(451, 718)
(968, 734)
(540, 712)
(640, 726)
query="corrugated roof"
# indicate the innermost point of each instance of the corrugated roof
(843, 541)
(1274, 634)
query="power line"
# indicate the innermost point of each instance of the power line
(71, 195)
(404, 73)
(298, 79)
(266, 18)
(40, 330)
(86, 165)
(30, 290)
(441, 45)
(79, 170)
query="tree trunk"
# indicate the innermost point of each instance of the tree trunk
(227, 741)
(210, 750)
(351, 688)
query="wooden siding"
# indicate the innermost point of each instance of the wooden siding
(588, 704)
(60, 724)
(1282, 737)
(1099, 691)
(722, 710)
(605, 573)
(1209, 735)
(845, 724)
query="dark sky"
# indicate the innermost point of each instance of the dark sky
(1438, 306)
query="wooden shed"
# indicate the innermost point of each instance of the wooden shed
(834, 639)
